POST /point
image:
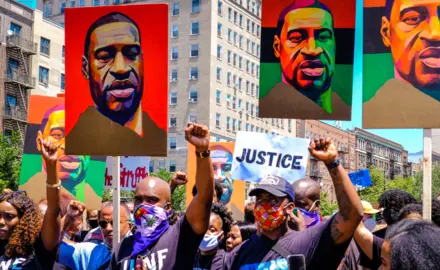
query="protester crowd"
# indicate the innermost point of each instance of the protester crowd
(282, 229)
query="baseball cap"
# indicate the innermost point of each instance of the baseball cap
(368, 208)
(276, 186)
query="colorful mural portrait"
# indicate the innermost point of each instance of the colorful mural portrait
(116, 80)
(307, 50)
(233, 190)
(81, 176)
(401, 73)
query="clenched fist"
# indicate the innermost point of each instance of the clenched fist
(323, 150)
(199, 136)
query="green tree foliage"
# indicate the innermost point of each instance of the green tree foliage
(327, 208)
(177, 199)
(435, 182)
(10, 161)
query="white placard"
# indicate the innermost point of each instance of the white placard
(258, 154)
(133, 169)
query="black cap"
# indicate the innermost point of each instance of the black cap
(276, 186)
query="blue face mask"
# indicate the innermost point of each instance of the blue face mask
(310, 219)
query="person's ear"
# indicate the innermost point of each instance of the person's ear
(385, 31)
(39, 136)
(85, 67)
(289, 208)
(276, 46)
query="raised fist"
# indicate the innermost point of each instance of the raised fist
(199, 136)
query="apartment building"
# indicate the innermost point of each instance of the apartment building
(380, 152)
(48, 64)
(345, 143)
(16, 52)
(214, 70)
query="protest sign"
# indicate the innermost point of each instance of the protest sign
(116, 80)
(258, 154)
(81, 176)
(233, 189)
(307, 49)
(361, 179)
(133, 170)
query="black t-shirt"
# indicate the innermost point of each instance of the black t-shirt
(176, 249)
(40, 260)
(205, 262)
(378, 239)
(315, 243)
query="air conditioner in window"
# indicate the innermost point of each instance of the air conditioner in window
(193, 78)
(174, 79)
(192, 100)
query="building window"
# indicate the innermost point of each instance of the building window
(253, 28)
(248, 43)
(257, 91)
(81, 3)
(15, 28)
(173, 121)
(176, 9)
(219, 29)
(228, 123)
(220, 8)
(235, 38)
(228, 101)
(252, 68)
(240, 62)
(235, 17)
(173, 143)
(228, 78)
(219, 74)
(218, 97)
(44, 46)
(257, 111)
(63, 53)
(253, 48)
(239, 104)
(175, 31)
(173, 98)
(62, 7)
(229, 56)
(258, 30)
(96, 3)
(194, 50)
(252, 89)
(13, 66)
(247, 126)
(239, 125)
(47, 9)
(229, 34)
(257, 71)
(240, 20)
(192, 117)
(11, 101)
(195, 6)
(230, 14)
(43, 77)
(175, 53)
(172, 166)
(247, 87)
(219, 52)
(217, 119)
(258, 51)
(161, 164)
(234, 61)
(151, 169)
(234, 101)
(248, 25)
(195, 28)
(193, 96)
(240, 42)
(247, 106)
(72, 3)
(63, 82)
(194, 73)
(252, 109)
(240, 81)
(174, 75)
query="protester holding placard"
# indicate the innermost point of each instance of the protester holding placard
(323, 245)
(156, 244)
(28, 241)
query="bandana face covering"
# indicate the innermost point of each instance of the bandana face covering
(310, 219)
(269, 217)
(151, 223)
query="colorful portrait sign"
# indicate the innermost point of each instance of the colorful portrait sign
(116, 80)
(233, 189)
(401, 64)
(307, 50)
(82, 177)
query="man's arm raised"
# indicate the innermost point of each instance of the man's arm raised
(350, 212)
(199, 210)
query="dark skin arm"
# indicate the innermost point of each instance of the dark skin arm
(50, 231)
(350, 208)
(199, 210)
(74, 211)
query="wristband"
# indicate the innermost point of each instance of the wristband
(57, 185)
(333, 164)
(204, 154)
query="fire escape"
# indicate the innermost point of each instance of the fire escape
(315, 172)
(18, 81)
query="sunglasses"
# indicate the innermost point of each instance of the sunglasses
(104, 223)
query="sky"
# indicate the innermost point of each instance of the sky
(411, 139)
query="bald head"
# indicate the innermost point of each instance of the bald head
(154, 191)
(307, 191)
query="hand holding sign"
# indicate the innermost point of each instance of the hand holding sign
(199, 136)
(323, 150)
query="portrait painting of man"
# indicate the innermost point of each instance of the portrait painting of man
(81, 176)
(116, 80)
(221, 159)
(307, 59)
(403, 91)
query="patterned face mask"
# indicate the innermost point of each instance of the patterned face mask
(269, 217)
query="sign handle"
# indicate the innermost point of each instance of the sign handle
(116, 174)
(427, 173)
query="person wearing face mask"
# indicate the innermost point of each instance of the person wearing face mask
(156, 244)
(240, 232)
(323, 245)
(307, 201)
(220, 223)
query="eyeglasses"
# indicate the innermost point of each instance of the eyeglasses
(104, 223)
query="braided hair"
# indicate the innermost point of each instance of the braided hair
(23, 237)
